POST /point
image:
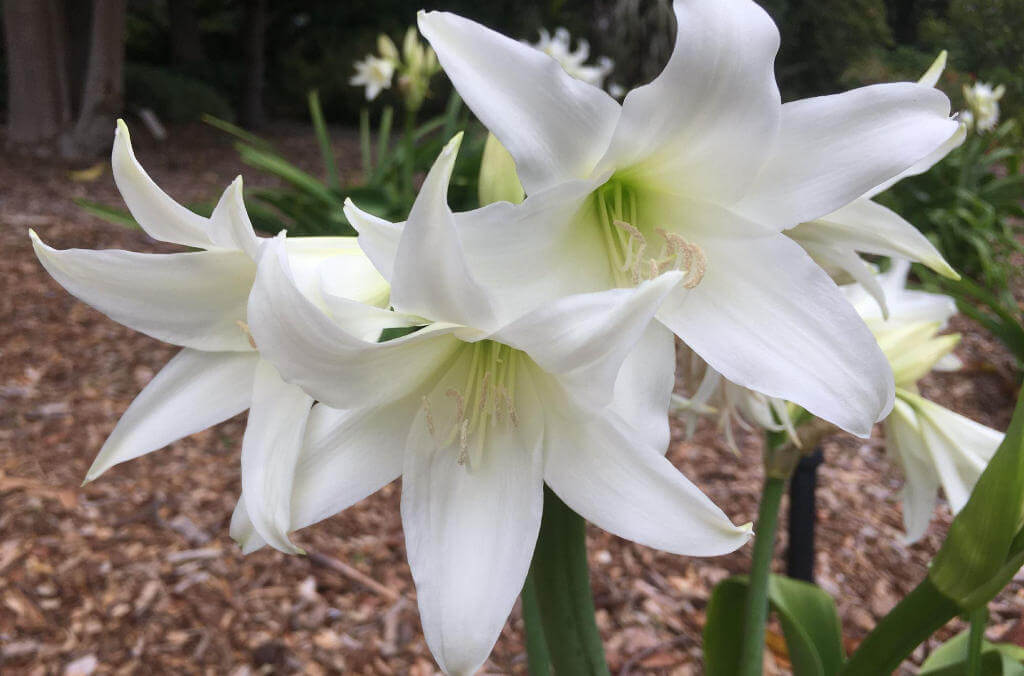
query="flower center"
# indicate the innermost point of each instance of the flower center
(631, 244)
(487, 398)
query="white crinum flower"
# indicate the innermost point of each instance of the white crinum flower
(374, 73)
(983, 104)
(476, 411)
(559, 47)
(835, 240)
(198, 300)
(700, 170)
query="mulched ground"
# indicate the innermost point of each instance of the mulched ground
(135, 573)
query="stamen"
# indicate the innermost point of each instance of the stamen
(245, 329)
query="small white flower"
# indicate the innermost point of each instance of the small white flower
(374, 73)
(983, 103)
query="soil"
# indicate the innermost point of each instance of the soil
(135, 572)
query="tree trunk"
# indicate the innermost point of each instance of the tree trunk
(39, 105)
(252, 99)
(102, 97)
(186, 49)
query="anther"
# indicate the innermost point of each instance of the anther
(460, 410)
(245, 329)
(429, 416)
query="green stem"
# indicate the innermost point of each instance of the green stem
(561, 585)
(537, 655)
(752, 648)
(979, 618)
(408, 157)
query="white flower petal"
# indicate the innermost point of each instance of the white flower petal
(769, 319)
(191, 299)
(348, 455)
(431, 278)
(377, 237)
(833, 149)
(836, 259)
(545, 247)
(951, 144)
(270, 450)
(555, 126)
(242, 531)
(643, 389)
(327, 359)
(628, 488)
(159, 215)
(960, 449)
(195, 390)
(585, 338)
(921, 482)
(470, 532)
(706, 123)
(868, 227)
(229, 226)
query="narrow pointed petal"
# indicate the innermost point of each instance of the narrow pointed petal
(959, 447)
(470, 531)
(159, 215)
(706, 123)
(431, 278)
(936, 156)
(270, 451)
(769, 319)
(833, 149)
(555, 126)
(377, 237)
(326, 357)
(585, 338)
(190, 299)
(920, 481)
(627, 488)
(195, 390)
(229, 226)
(934, 72)
(868, 227)
(643, 389)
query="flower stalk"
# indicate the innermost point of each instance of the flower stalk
(560, 584)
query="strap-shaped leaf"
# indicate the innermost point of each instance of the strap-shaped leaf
(807, 614)
(983, 537)
(950, 658)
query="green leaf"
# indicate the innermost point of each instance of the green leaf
(109, 214)
(950, 658)
(323, 139)
(288, 172)
(237, 132)
(807, 614)
(983, 537)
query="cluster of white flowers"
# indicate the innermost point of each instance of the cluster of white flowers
(481, 355)
(415, 65)
(982, 105)
(559, 47)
